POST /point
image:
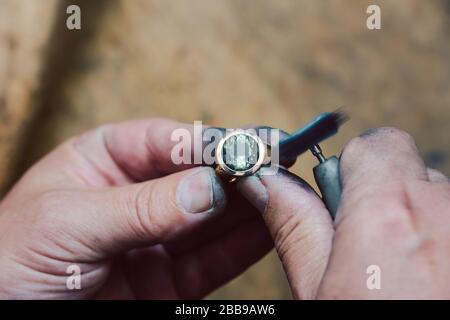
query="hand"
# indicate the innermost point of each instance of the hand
(113, 203)
(394, 214)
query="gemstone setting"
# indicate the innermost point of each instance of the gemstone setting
(240, 154)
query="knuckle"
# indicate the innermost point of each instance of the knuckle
(427, 249)
(395, 221)
(383, 138)
(399, 135)
(389, 134)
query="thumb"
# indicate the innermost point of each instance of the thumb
(117, 219)
(299, 223)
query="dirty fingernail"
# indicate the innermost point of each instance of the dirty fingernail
(200, 192)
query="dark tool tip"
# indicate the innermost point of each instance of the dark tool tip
(324, 126)
(340, 116)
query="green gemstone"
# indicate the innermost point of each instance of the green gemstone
(240, 152)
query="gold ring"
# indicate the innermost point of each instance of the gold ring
(240, 154)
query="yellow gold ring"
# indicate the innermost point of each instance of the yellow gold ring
(240, 154)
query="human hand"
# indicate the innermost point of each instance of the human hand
(138, 226)
(394, 214)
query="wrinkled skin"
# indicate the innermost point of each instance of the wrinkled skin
(113, 203)
(394, 214)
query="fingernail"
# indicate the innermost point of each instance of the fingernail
(255, 192)
(201, 192)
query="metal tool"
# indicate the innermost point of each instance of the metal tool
(328, 179)
(326, 173)
(240, 154)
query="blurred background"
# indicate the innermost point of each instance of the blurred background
(228, 63)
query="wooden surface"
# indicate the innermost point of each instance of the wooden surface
(230, 63)
(22, 52)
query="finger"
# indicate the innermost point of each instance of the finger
(299, 224)
(134, 151)
(437, 176)
(379, 156)
(375, 159)
(238, 211)
(157, 211)
(147, 149)
(218, 262)
(200, 271)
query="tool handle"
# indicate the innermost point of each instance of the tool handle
(324, 126)
(329, 183)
